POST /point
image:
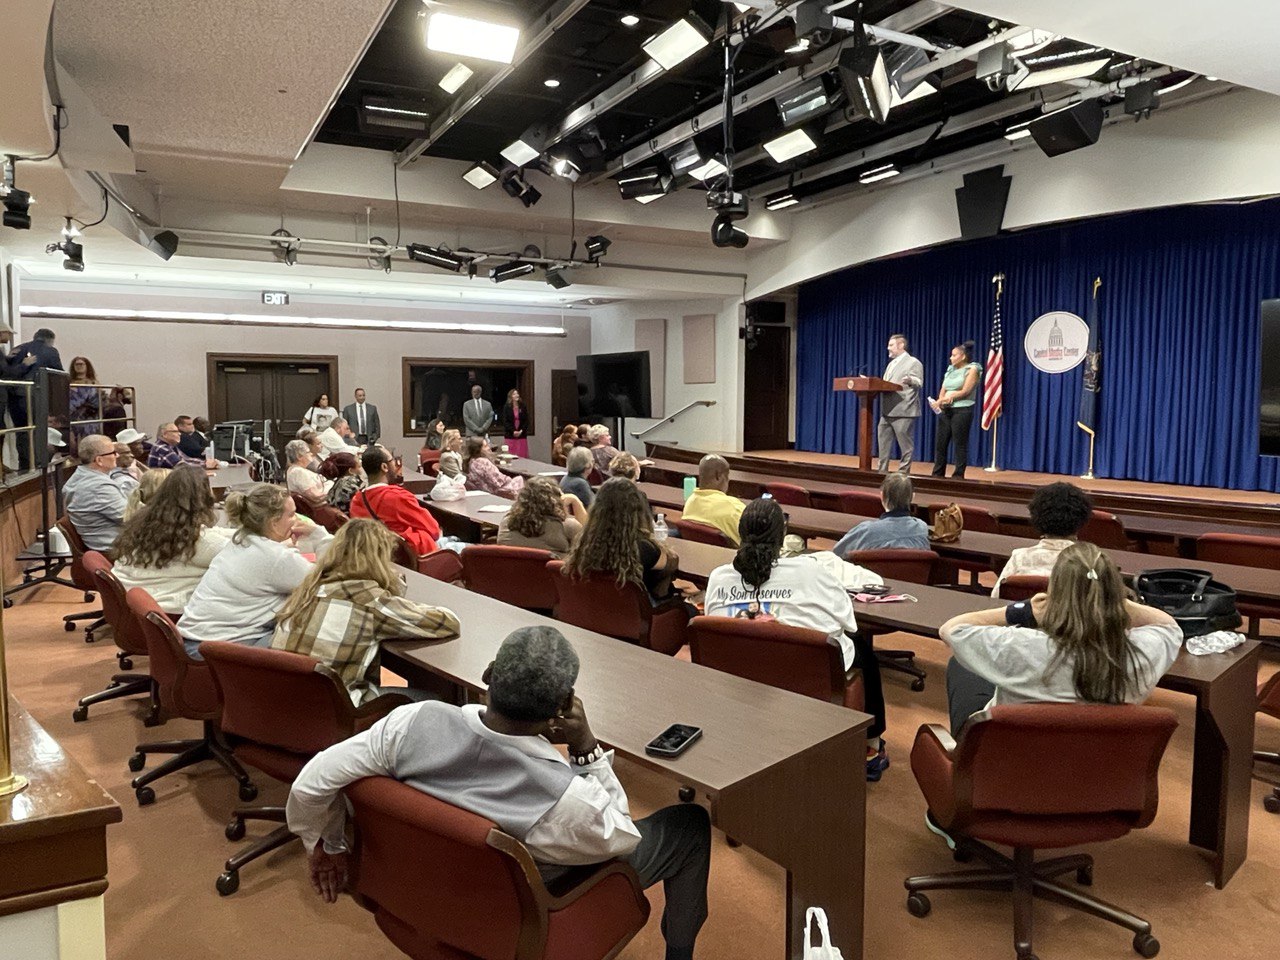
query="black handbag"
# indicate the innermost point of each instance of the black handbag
(1199, 603)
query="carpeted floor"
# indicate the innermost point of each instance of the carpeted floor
(164, 858)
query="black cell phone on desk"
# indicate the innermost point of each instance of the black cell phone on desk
(673, 741)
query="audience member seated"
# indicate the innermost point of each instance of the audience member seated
(386, 499)
(298, 478)
(1082, 641)
(337, 437)
(192, 442)
(95, 501)
(618, 539)
(562, 444)
(165, 452)
(578, 464)
(625, 465)
(1058, 511)
(602, 449)
(451, 482)
(351, 601)
(896, 529)
(247, 583)
(139, 446)
(800, 592)
(583, 438)
(539, 518)
(566, 812)
(167, 548)
(344, 473)
(710, 502)
(482, 470)
(312, 440)
(126, 465)
(451, 442)
(435, 435)
(146, 488)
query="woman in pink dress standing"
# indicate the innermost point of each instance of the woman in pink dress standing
(515, 424)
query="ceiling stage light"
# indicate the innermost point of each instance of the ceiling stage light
(510, 270)
(458, 74)
(790, 145)
(481, 175)
(441, 257)
(465, 37)
(686, 36)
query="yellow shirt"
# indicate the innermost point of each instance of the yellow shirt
(717, 509)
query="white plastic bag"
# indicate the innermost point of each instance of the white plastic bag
(823, 950)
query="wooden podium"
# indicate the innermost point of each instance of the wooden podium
(867, 389)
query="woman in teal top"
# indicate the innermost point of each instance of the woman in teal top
(954, 408)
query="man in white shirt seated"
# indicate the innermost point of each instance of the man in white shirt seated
(337, 436)
(566, 813)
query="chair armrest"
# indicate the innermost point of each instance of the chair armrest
(370, 713)
(946, 742)
(932, 762)
(595, 875)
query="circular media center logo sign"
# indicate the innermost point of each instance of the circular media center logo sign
(1057, 342)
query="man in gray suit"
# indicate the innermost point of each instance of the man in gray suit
(900, 411)
(363, 419)
(477, 413)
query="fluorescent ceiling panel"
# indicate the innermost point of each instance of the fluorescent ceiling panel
(520, 153)
(458, 74)
(465, 37)
(789, 146)
(675, 44)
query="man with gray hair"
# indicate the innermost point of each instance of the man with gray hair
(899, 411)
(711, 503)
(896, 529)
(95, 501)
(566, 812)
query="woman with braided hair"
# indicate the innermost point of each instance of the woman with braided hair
(800, 592)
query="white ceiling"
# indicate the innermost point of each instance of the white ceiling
(1234, 40)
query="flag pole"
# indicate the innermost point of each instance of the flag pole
(998, 280)
(1088, 474)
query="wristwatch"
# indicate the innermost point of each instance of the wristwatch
(585, 759)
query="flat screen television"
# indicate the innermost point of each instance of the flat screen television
(614, 385)
(1269, 383)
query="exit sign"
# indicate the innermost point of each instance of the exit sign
(275, 298)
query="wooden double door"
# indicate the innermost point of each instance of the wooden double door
(269, 387)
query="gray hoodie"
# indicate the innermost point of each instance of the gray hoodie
(95, 504)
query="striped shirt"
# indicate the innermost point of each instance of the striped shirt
(348, 620)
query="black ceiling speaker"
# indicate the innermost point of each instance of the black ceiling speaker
(164, 244)
(1070, 128)
(981, 202)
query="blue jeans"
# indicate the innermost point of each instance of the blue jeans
(193, 646)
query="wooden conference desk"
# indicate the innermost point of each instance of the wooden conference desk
(1224, 685)
(224, 478)
(784, 774)
(463, 518)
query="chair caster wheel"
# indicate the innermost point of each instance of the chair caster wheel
(918, 905)
(248, 792)
(69, 626)
(88, 598)
(917, 685)
(228, 883)
(89, 637)
(235, 830)
(146, 796)
(688, 794)
(80, 714)
(1146, 945)
(961, 854)
(1271, 803)
(152, 720)
(137, 762)
(1084, 876)
(126, 663)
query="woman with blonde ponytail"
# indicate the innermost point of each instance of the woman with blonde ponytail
(1083, 641)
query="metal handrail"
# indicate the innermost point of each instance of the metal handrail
(647, 430)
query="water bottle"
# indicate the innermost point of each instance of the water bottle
(660, 528)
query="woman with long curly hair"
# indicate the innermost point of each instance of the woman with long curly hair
(800, 592)
(147, 487)
(618, 540)
(166, 548)
(540, 519)
(350, 602)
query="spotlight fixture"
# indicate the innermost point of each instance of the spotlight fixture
(568, 162)
(481, 175)
(516, 186)
(17, 203)
(286, 247)
(654, 180)
(790, 145)
(725, 233)
(878, 173)
(780, 201)
(597, 247)
(510, 270)
(697, 158)
(458, 74)
(1059, 62)
(526, 149)
(558, 277)
(441, 257)
(865, 81)
(465, 37)
(804, 103)
(686, 36)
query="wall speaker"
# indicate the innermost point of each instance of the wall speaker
(1068, 129)
(981, 202)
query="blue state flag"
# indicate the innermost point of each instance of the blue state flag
(1091, 388)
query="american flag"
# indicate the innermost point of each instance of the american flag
(993, 385)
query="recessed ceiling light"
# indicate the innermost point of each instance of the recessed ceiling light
(878, 173)
(551, 82)
(458, 74)
(520, 153)
(465, 37)
(790, 145)
(630, 20)
(781, 201)
(481, 175)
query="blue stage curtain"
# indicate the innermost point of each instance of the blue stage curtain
(1180, 297)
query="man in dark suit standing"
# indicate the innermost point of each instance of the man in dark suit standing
(477, 413)
(363, 419)
(23, 363)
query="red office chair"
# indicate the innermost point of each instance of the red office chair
(699, 532)
(1022, 588)
(1028, 777)
(807, 662)
(789, 494)
(860, 503)
(184, 688)
(914, 566)
(596, 602)
(514, 575)
(1105, 530)
(80, 577)
(595, 477)
(426, 456)
(978, 519)
(304, 505)
(444, 884)
(1247, 551)
(128, 637)
(279, 709)
(442, 565)
(1269, 703)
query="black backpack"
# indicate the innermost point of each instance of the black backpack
(1199, 603)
